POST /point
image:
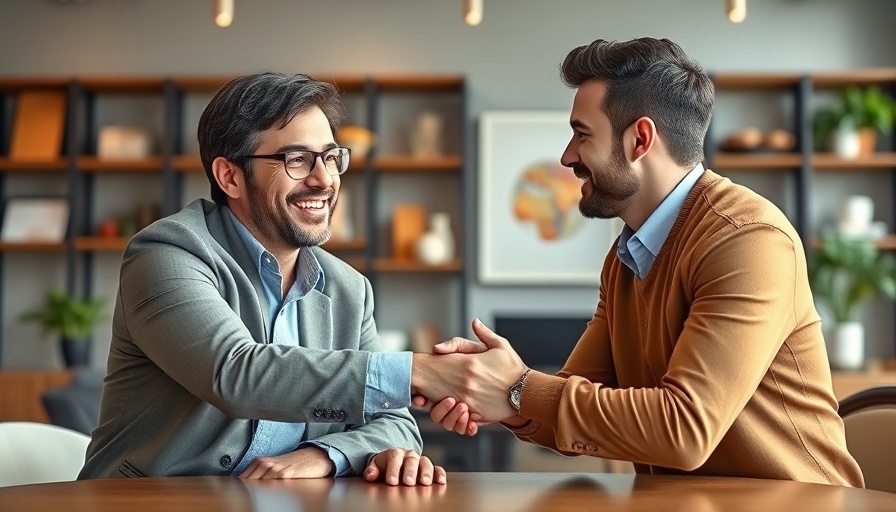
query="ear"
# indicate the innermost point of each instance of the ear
(643, 137)
(230, 178)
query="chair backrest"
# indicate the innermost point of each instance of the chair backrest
(869, 418)
(32, 453)
(76, 406)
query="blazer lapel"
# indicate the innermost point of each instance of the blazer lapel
(315, 321)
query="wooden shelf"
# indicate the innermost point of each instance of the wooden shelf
(418, 83)
(887, 243)
(756, 80)
(131, 85)
(8, 165)
(187, 163)
(32, 247)
(822, 161)
(834, 80)
(395, 265)
(101, 243)
(756, 161)
(402, 163)
(18, 84)
(358, 244)
(94, 164)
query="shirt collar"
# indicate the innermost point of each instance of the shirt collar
(656, 229)
(309, 273)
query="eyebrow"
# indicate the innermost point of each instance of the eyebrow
(302, 147)
(579, 125)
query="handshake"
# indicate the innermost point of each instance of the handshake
(466, 383)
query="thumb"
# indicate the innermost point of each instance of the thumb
(459, 345)
(372, 472)
(487, 336)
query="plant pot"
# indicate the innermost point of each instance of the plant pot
(75, 352)
(846, 143)
(867, 141)
(848, 346)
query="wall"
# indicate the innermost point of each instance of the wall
(510, 60)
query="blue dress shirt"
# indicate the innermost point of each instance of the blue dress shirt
(638, 250)
(388, 373)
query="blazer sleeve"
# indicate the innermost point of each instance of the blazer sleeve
(182, 303)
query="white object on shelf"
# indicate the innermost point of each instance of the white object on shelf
(122, 142)
(436, 246)
(848, 346)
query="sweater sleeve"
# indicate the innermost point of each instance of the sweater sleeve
(744, 290)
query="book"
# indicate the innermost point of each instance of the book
(38, 126)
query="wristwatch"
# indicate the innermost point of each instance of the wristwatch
(516, 391)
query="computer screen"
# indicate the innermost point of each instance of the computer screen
(543, 342)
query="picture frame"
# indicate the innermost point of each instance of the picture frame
(35, 220)
(530, 228)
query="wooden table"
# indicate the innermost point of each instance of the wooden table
(465, 492)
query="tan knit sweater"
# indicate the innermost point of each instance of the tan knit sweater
(713, 364)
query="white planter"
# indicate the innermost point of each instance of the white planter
(848, 346)
(846, 144)
(436, 246)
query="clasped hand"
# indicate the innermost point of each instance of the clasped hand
(466, 383)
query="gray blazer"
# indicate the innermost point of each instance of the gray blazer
(190, 368)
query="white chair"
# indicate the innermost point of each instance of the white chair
(869, 418)
(32, 453)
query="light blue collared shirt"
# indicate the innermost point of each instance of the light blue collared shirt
(388, 373)
(638, 250)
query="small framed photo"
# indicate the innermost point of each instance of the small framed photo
(35, 220)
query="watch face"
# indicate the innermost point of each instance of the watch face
(515, 393)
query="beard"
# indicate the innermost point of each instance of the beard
(276, 223)
(616, 190)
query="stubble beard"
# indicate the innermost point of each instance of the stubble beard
(277, 223)
(615, 193)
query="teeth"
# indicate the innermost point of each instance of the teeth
(310, 204)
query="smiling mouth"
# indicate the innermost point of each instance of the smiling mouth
(311, 204)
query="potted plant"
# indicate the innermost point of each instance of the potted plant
(851, 125)
(844, 273)
(72, 319)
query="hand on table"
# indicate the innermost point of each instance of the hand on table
(396, 466)
(306, 462)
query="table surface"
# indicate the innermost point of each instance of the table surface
(465, 492)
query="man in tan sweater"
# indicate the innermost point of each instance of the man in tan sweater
(705, 354)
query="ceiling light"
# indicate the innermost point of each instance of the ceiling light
(737, 10)
(473, 12)
(223, 12)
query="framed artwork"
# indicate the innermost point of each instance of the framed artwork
(34, 219)
(530, 227)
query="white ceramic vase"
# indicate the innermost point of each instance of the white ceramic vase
(436, 246)
(846, 143)
(848, 346)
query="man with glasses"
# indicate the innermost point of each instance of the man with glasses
(239, 347)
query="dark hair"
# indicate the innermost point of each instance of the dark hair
(653, 78)
(245, 106)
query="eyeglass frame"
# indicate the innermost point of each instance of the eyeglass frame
(317, 155)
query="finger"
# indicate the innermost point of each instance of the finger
(425, 471)
(457, 419)
(472, 428)
(372, 472)
(459, 345)
(410, 466)
(420, 401)
(488, 337)
(394, 458)
(441, 409)
(439, 475)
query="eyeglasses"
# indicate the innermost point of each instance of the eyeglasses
(300, 163)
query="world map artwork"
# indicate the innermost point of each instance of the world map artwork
(546, 195)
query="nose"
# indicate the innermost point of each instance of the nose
(319, 177)
(569, 157)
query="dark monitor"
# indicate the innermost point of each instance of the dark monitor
(543, 342)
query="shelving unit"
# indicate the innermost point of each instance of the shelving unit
(811, 205)
(168, 109)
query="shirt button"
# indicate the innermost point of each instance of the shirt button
(386, 405)
(226, 461)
